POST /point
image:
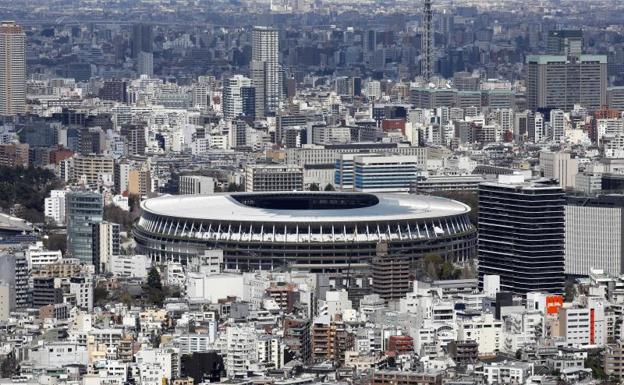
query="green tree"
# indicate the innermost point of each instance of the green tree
(100, 295)
(9, 367)
(153, 279)
(594, 363)
(314, 187)
(329, 187)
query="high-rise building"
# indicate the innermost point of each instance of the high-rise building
(54, 207)
(593, 234)
(14, 273)
(265, 70)
(559, 81)
(12, 69)
(521, 234)
(142, 39)
(83, 210)
(105, 240)
(145, 63)
(273, 178)
(565, 42)
(233, 98)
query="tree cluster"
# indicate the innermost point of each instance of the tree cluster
(27, 187)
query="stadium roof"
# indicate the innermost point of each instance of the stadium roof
(265, 207)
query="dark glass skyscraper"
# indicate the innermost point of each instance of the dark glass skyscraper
(521, 234)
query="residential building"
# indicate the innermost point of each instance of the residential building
(12, 69)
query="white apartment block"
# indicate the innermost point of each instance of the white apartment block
(54, 207)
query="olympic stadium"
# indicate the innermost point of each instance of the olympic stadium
(312, 231)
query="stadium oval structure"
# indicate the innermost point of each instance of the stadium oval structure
(313, 231)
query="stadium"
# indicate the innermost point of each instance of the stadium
(311, 231)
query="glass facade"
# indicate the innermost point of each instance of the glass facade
(83, 210)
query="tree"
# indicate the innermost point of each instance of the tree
(329, 187)
(9, 367)
(56, 242)
(570, 291)
(100, 295)
(593, 362)
(314, 187)
(153, 279)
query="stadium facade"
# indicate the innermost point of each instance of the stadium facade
(313, 231)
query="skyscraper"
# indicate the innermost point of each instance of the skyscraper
(559, 81)
(83, 210)
(233, 96)
(265, 70)
(521, 234)
(12, 69)
(565, 42)
(142, 39)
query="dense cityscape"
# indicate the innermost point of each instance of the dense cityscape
(294, 192)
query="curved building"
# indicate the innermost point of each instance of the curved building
(316, 231)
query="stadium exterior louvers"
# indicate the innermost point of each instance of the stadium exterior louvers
(315, 231)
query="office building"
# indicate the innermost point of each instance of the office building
(559, 81)
(260, 178)
(565, 42)
(12, 69)
(195, 184)
(235, 90)
(615, 98)
(83, 210)
(142, 39)
(14, 273)
(522, 234)
(379, 172)
(145, 63)
(265, 70)
(593, 234)
(46, 291)
(114, 90)
(446, 183)
(105, 241)
(559, 166)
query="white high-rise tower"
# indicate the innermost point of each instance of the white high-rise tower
(265, 70)
(12, 69)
